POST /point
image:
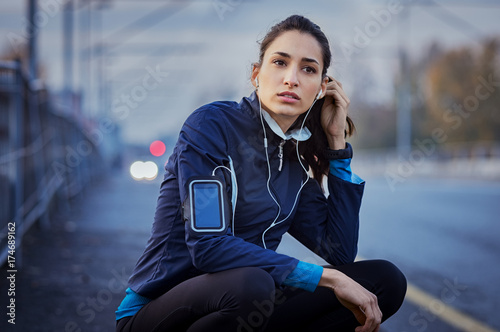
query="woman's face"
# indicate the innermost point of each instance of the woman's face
(290, 76)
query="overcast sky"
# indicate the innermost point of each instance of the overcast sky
(202, 51)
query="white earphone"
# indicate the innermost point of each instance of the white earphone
(257, 82)
(319, 94)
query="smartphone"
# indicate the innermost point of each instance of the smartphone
(207, 200)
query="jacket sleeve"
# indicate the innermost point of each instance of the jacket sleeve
(329, 226)
(203, 145)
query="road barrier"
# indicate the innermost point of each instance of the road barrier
(47, 156)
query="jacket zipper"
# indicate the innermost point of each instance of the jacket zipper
(275, 194)
(280, 154)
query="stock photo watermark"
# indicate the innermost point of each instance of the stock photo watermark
(47, 10)
(455, 116)
(427, 314)
(11, 272)
(263, 310)
(221, 7)
(75, 155)
(88, 309)
(137, 94)
(363, 36)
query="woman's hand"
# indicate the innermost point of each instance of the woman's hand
(334, 114)
(353, 296)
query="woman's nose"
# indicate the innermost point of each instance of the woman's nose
(291, 78)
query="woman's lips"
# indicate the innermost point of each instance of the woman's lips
(288, 97)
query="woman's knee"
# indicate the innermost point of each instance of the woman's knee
(387, 269)
(392, 286)
(394, 277)
(254, 284)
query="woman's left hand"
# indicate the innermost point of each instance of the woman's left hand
(361, 302)
(334, 114)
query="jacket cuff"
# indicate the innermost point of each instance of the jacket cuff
(339, 154)
(305, 276)
(341, 168)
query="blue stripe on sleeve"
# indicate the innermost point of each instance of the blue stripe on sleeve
(341, 168)
(131, 304)
(305, 276)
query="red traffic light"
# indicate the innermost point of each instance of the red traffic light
(157, 148)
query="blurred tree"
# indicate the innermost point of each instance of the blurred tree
(461, 95)
(375, 125)
(456, 91)
(21, 53)
(420, 90)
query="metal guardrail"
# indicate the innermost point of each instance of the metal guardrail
(45, 157)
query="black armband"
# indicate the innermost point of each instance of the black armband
(339, 154)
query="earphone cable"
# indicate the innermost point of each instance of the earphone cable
(274, 223)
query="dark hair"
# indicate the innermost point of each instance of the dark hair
(312, 150)
(301, 24)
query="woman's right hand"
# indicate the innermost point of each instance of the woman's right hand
(353, 296)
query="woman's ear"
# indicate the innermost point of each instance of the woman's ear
(255, 73)
(323, 86)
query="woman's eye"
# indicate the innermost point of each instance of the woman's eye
(279, 62)
(310, 70)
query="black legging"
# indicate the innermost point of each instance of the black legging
(246, 300)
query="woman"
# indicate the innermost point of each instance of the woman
(229, 277)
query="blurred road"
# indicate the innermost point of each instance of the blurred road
(441, 233)
(444, 235)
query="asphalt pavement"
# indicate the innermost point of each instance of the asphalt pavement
(74, 275)
(442, 233)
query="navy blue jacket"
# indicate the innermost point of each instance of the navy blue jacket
(210, 135)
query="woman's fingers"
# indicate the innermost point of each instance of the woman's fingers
(359, 315)
(361, 302)
(373, 315)
(334, 89)
(340, 99)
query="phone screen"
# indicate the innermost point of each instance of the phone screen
(207, 206)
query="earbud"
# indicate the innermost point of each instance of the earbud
(257, 82)
(319, 94)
